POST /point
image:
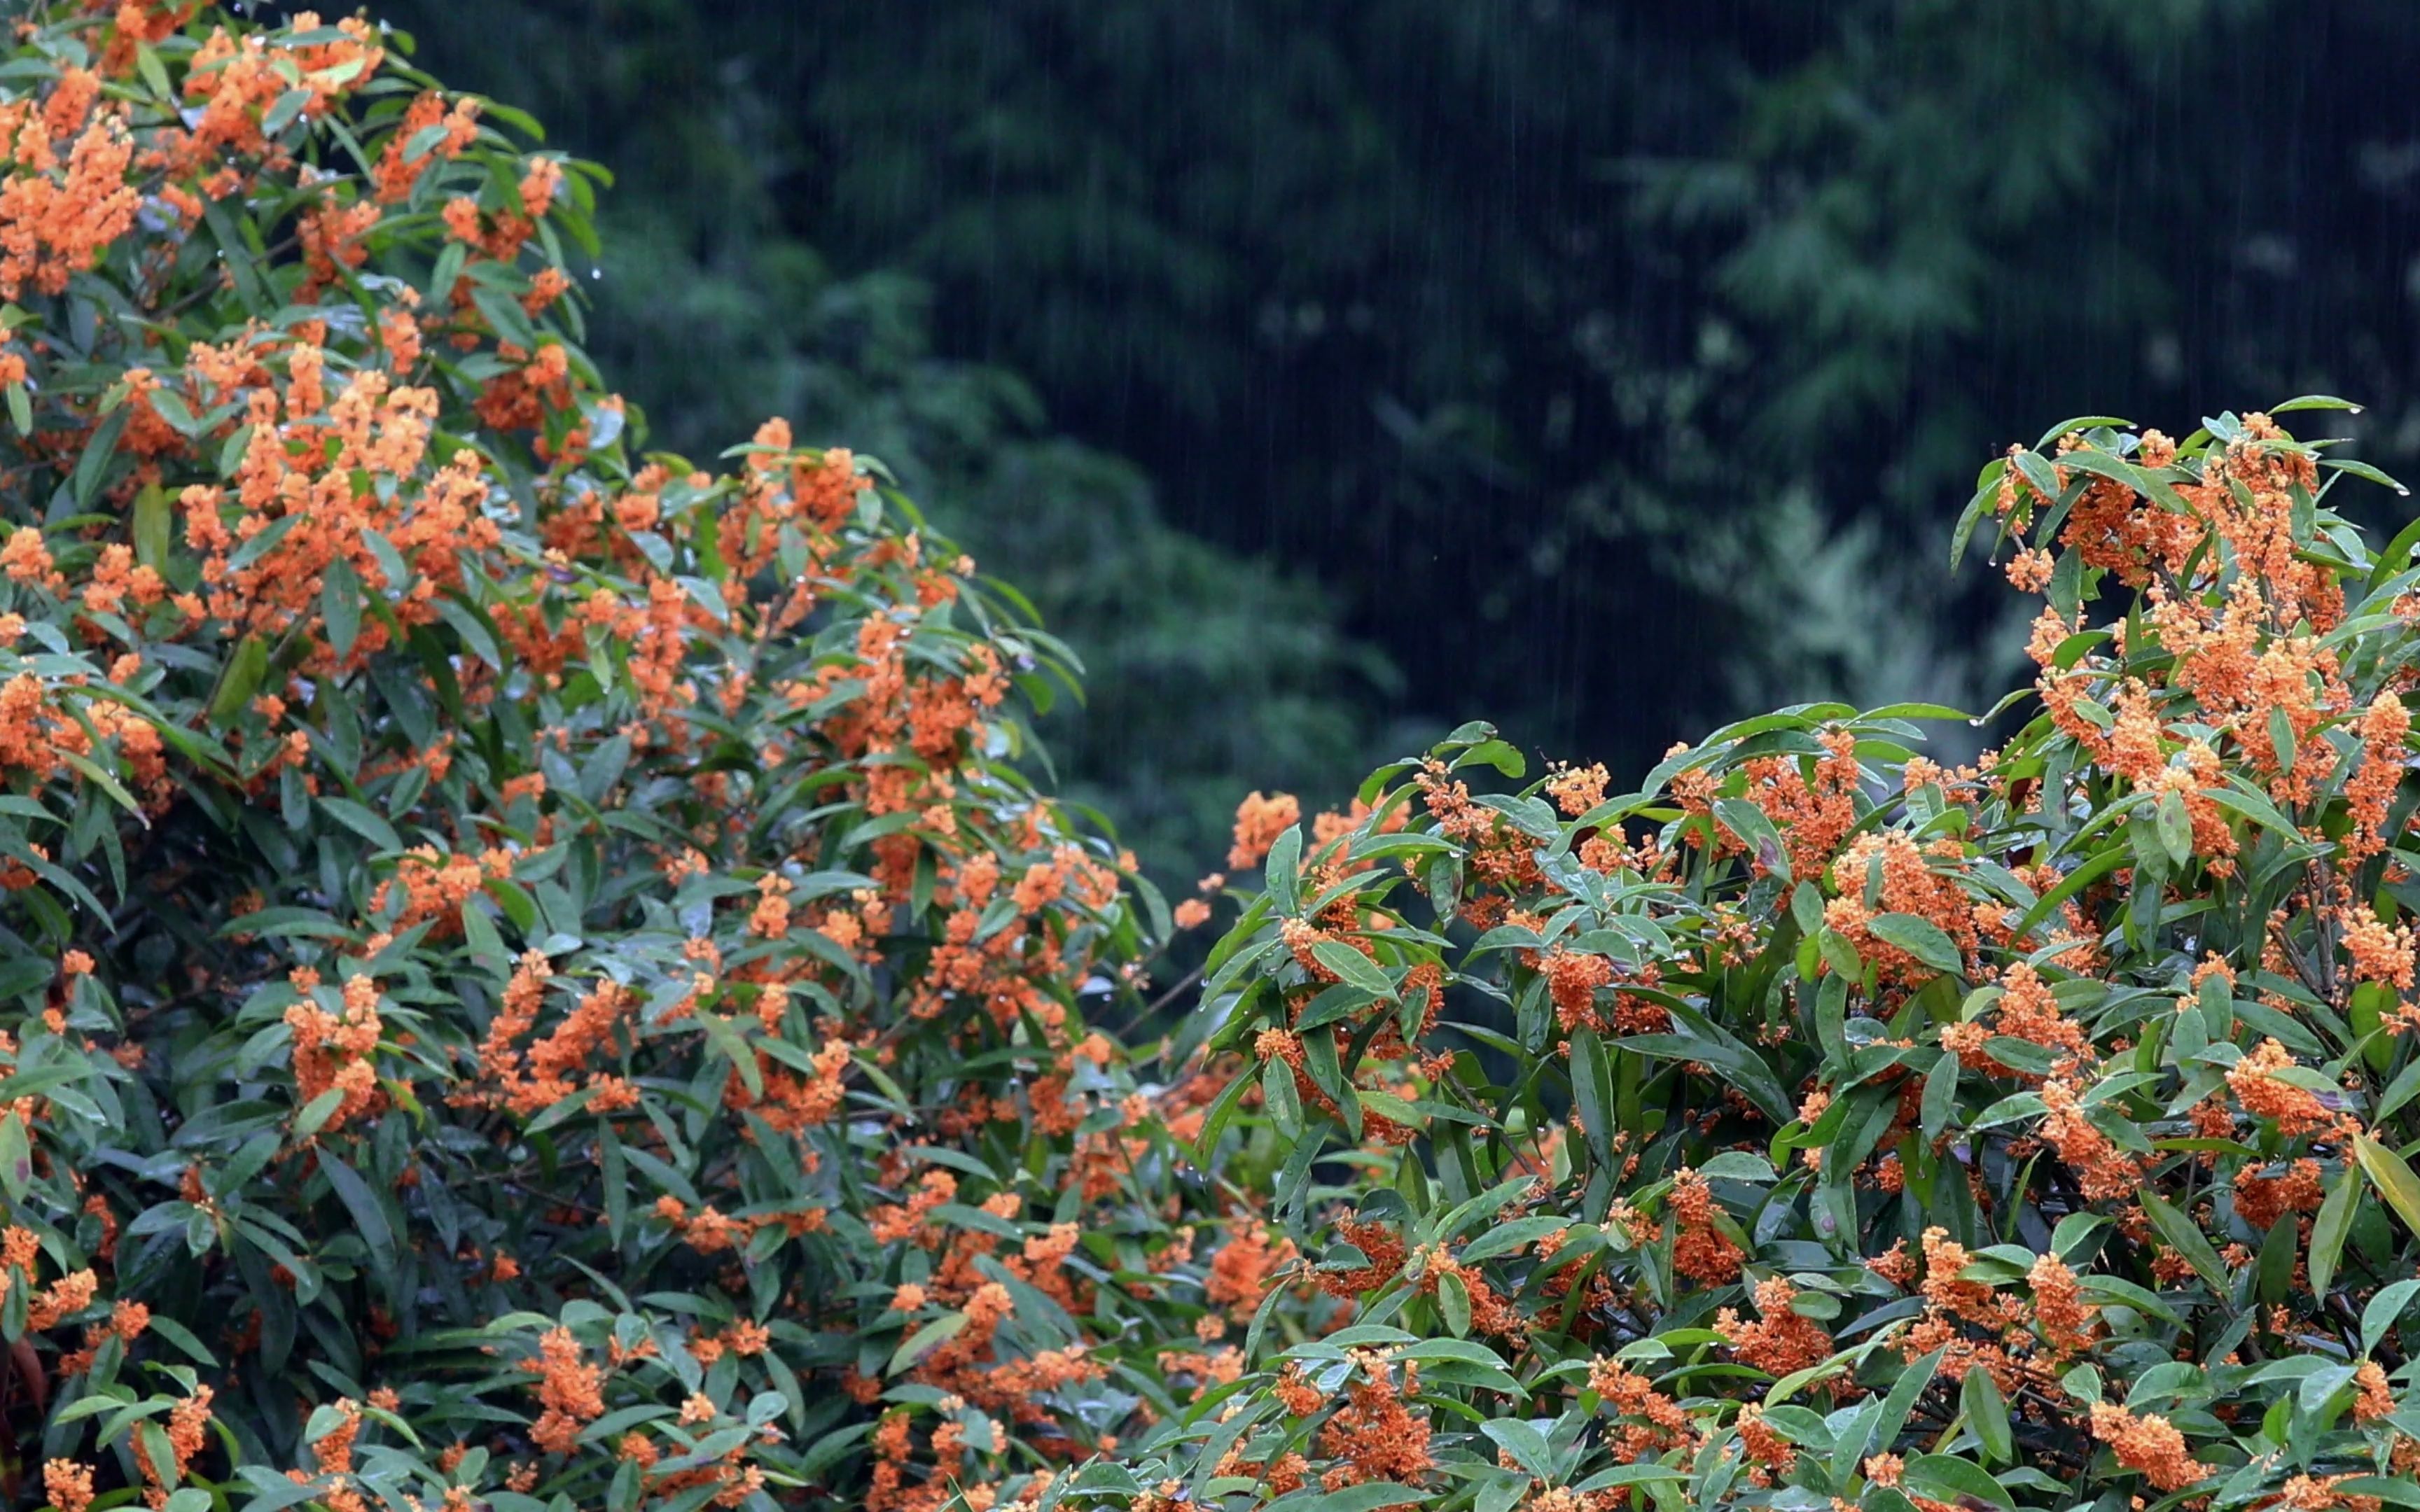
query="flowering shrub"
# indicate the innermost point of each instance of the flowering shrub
(531, 978)
(1818, 1125)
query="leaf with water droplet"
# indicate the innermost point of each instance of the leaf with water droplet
(2363, 469)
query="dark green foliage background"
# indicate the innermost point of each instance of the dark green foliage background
(1555, 343)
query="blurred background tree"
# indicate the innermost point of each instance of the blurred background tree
(1330, 374)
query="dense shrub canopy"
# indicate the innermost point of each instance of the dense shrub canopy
(532, 979)
(1818, 1125)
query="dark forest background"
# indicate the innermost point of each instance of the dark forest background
(1331, 373)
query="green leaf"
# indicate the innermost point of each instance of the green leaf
(1389, 1106)
(1505, 1238)
(1917, 711)
(1634, 1474)
(2184, 1236)
(1283, 874)
(1755, 831)
(2401, 1090)
(1365, 1497)
(2081, 423)
(2074, 882)
(2389, 1173)
(284, 110)
(2254, 805)
(370, 1216)
(239, 681)
(170, 406)
(1282, 1100)
(2036, 470)
(363, 821)
(99, 778)
(2363, 471)
(2126, 1293)
(154, 526)
(1353, 968)
(182, 1337)
(1592, 1093)
(159, 1451)
(2329, 1230)
(97, 451)
(1948, 1478)
(1919, 938)
(2174, 824)
(273, 1492)
(16, 1157)
(1910, 1385)
(505, 316)
(2315, 401)
(1453, 1303)
(316, 1113)
(1521, 1439)
(1940, 1097)
(1725, 1054)
(1987, 1413)
(924, 1340)
(340, 604)
(1503, 756)
(155, 76)
(2385, 1311)
(2281, 737)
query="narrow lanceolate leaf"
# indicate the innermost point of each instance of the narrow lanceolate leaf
(1367, 1497)
(1896, 1407)
(2391, 1175)
(2329, 1230)
(925, 1340)
(1281, 874)
(340, 605)
(1592, 1093)
(2184, 1236)
(154, 526)
(1278, 1094)
(1987, 1413)
(241, 680)
(2174, 824)
(368, 1215)
(1940, 1096)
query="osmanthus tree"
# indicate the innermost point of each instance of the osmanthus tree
(1818, 1126)
(530, 977)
